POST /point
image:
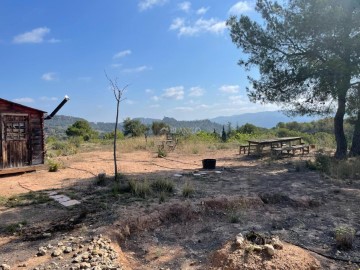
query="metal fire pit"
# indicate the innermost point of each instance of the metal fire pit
(209, 164)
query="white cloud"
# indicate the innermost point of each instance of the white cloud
(240, 7)
(155, 98)
(54, 40)
(184, 109)
(176, 92)
(185, 6)
(149, 91)
(36, 35)
(136, 69)
(50, 76)
(196, 92)
(147, 4)
(232, 89)
(202, 10)
(116, 65)
(48, 98)
(201, 25)
(154, 106)
(238, 100)
(122, 54)
(23, 100)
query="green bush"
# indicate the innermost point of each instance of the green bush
(188, 190)
(162, 185)
(323, 163)
(53, 166)
(161, 153)
(140, 188)
(344, 237)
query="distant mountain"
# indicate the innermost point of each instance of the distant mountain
(59, 123)
(260, 119)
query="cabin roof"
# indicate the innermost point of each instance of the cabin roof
(23, 106)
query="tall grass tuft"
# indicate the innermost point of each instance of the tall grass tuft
(162, 185)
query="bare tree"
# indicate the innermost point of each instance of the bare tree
(118, 93)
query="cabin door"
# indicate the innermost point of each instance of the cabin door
(15, 140)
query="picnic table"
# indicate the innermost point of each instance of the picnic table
(277, 146)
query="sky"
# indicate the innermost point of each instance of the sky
(175, 57)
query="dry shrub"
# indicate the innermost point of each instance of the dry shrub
(344, 237)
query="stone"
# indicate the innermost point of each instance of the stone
(269, 249)
(68, 249)
(41, 251)
(276, 243)
(5, 266)
(45, 234)
(56, 252)
(239, 239)
(357, 233)
(85, 265)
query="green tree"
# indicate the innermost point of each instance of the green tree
(308, 55)
(223, 135)
(111, 135)
(248, 129)
(158, 127)
(134, 128)
(81, 128)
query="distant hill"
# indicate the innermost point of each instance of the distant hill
(260, 119)
(59, 123)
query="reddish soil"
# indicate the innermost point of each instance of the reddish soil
(243, 194)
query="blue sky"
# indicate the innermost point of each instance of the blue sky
(176, 56)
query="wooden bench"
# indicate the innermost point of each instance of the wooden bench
(278, 151)
(243, 149)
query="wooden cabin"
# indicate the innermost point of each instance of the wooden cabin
(22, 146)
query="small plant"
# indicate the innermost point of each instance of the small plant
(101, 179)
(188, 190)
(140, 188)
(162, 185)
(162, 197)
(53, 166)
(161, 153)
(3, 200)
(344, 237)
(195, 151)
(234, 217)
(15, 227)
(27, 199)
(323, 163)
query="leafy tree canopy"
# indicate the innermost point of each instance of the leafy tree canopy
(134, 128)
(159, 128)
(308, 56)
(81, 128)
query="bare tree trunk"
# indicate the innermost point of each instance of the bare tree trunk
(341, 143)
(118, 93)
(355, 146)
(115, 138)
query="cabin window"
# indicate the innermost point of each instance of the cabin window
(15, 128)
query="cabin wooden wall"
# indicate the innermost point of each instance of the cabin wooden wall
(35, 141)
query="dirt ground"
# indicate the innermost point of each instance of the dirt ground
(243, 194)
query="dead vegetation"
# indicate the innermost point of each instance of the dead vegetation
(164, 213)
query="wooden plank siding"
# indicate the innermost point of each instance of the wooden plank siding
(21, 136)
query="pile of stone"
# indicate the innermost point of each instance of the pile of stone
(261, 244)
(77, 253)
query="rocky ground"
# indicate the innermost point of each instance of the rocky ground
(214, 228)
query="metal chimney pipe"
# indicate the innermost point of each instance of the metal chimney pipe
(66, 98)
